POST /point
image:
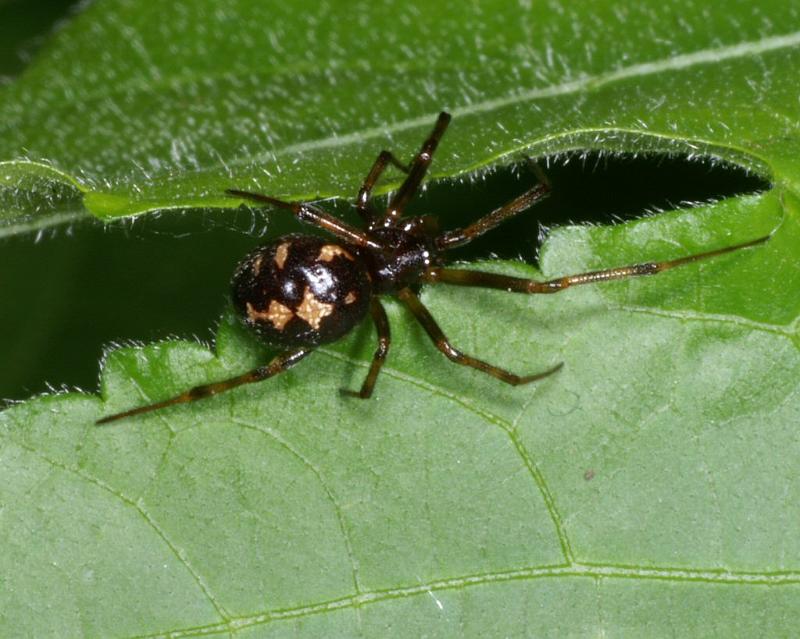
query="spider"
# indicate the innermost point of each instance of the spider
(300, 291)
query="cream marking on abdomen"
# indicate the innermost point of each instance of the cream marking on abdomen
(312, 310)
(329, 251)
(277, 313)
(281, 253)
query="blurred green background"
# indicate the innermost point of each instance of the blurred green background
(71, 292)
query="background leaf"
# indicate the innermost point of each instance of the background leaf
(183, 101)
(646, 489)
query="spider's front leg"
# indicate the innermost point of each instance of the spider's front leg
(460, 237)
(313, 215)
(365, 193)
(418, 169)
(464, 277)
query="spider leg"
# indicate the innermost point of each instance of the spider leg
(384, 340)
(419, 166)
(459, 237)
(424, 317)
(362, 202)
(463, 277)
(277, 365)
(312, 215)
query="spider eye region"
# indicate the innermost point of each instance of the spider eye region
(301, 290)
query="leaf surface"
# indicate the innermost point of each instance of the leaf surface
(647, 489)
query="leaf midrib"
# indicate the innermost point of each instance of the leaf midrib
(582, 85)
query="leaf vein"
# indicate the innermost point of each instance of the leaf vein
(268, 432)
(179, 555)
(531, 466)
(579, 570)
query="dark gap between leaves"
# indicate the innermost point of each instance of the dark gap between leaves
(587, 189)
(25, 26)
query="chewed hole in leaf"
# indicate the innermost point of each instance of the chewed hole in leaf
(588, 188)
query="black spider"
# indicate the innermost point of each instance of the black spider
(301, 291)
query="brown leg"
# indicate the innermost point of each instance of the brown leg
(418, 168)
(312, 215)
(384, 340)
(459, 237)
(463, 277)
(435, 333)
(277, 365)
(362, 203)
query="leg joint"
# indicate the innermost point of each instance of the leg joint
(383, 349)
(449, 350)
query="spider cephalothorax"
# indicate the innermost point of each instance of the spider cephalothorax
(300, 291)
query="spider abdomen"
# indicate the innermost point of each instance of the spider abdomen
(301, 290)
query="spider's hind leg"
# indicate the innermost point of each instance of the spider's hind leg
(464, 277)
(277, 365)
(436, 334)
(384, 340)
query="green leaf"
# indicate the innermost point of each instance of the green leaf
(142, 108)
(647, 489)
